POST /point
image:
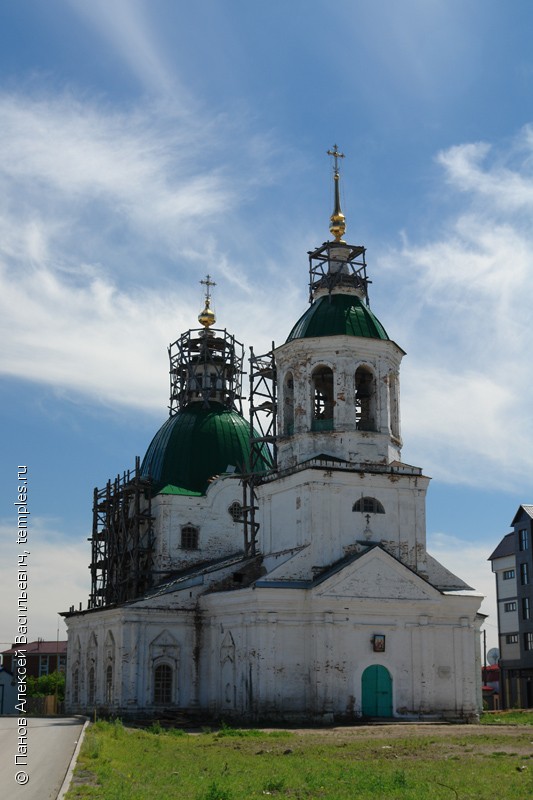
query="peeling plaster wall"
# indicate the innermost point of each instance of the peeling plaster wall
(296, 655)
(143, 639)
(318, 506)
(289, 654)
(219, 534)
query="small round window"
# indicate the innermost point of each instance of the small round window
(235, 511)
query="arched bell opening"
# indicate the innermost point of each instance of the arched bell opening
(394, 392)
(323, 402)
(288, 404)
(365, 400)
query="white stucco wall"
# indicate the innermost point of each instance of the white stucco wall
(219, 534)
(298, 652)
(315, 507)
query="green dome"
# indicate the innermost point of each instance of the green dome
(197, 443)
(338, 315)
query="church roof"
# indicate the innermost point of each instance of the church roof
(195, 445)
(442, 579)
(338, 315)
(295, 572)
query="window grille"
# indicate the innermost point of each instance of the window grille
(162, 685)
(368, 505)
(235, 511)
(189, 537)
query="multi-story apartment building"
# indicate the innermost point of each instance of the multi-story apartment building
(512, 565)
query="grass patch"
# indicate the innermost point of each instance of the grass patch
(507, 718)
(118, 763)
(240, 733)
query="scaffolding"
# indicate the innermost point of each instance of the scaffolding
(206, 364)
(336, 264)
(263, 408)
(263, 435)
(122, 540)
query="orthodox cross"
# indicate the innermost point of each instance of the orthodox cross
(336, 155)
(207, 282)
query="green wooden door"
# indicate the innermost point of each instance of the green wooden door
(377, 692)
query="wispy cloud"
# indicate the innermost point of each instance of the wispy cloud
(105, 228)
(462, 310)
(66, 162)
(86, 194)
(57, 577)
(127, 26)
(92, 336)
(506, 188)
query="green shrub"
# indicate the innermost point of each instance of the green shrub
(46, 685)
(156, 728)
(215, 792)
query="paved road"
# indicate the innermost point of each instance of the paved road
(51, 744)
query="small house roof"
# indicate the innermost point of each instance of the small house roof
(527, 509)
(40, 647)
(505, 547)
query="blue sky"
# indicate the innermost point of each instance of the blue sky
(145, 144)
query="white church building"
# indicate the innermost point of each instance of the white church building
(277, 569)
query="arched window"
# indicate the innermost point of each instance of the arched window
(162, 684)
(323, 402)
(368, 505)
(109, 684)
(76, 686)
(288, 404)
(235, 511)
(91, 686)
(365, 400)
(189, 537)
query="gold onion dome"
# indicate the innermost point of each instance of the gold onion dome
(207, 316)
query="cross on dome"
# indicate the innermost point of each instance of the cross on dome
(336, 155)
(207, 282)
(207, 316)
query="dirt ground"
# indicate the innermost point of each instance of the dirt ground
(404, 730)
(515, 739)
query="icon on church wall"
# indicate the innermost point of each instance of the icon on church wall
(378, 642)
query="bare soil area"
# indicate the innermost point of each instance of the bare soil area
(493, 739)
(404, 730)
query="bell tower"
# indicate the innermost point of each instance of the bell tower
(338, 371)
